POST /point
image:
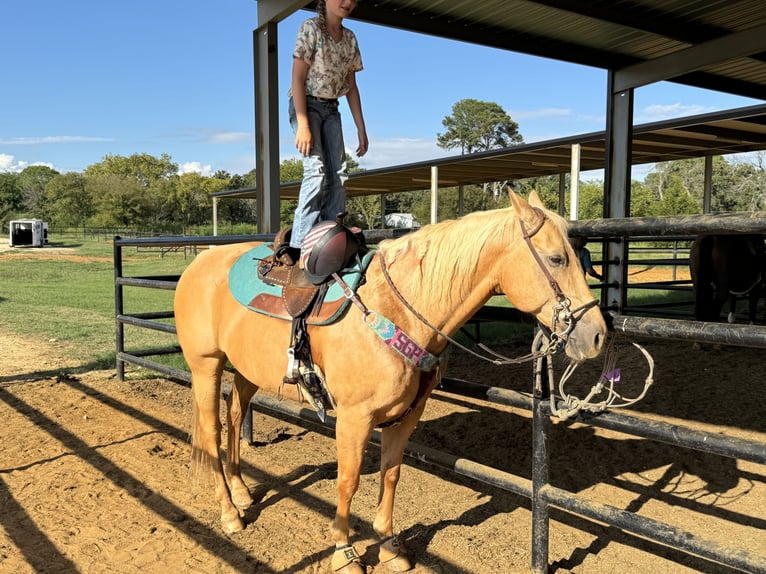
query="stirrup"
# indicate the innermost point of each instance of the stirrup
(287, 255)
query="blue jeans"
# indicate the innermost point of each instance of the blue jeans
(322, 196)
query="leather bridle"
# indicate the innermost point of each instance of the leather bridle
(561, 311)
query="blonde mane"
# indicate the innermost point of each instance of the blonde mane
(444, 256)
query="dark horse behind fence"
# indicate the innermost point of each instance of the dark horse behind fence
(724, 267)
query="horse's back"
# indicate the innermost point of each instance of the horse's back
(201, 293)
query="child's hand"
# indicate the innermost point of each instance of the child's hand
(363, 144)
(303, 141)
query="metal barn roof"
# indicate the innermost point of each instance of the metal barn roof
(712, 44)
(719, 133)
(687, 36)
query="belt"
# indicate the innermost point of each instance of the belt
(322, 100)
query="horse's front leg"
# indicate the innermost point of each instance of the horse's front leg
(352, 434)
(394, 439)
(393, 442)
(238, 402)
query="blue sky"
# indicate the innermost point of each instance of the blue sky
(90, 78)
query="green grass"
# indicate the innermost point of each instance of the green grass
(66, 293)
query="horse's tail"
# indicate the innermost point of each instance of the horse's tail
(701, 270)
(202, 459)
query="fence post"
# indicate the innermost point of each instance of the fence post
(540, 474)
(119, 309)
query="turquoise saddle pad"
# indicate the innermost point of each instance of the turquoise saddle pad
(246, 286)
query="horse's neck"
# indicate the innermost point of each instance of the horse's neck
(445, 313)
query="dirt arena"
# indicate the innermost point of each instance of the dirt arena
(94, 476)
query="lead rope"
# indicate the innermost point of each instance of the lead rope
(570, 405)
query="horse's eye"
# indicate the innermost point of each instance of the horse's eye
(556, 260)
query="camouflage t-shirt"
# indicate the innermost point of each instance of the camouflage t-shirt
(329, 60)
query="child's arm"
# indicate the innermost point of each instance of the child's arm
(355, 104)
(298, 89)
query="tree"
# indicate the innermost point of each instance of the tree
(750, 185)
(142, 167)
(32, 182)
(192, 198)
(478, 126)
(11, 199)
(289, 170)
(132, 191)
(67, 203)
(120, 201)
(363, 211)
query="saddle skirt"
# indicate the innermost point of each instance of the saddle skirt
(249, 290)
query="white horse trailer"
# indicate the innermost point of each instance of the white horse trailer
(28, 233)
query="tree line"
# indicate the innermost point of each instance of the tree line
(146, 192)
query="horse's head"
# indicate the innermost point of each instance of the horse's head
(550, 284)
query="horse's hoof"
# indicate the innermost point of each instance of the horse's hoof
(232, 524)
(241, 498)
(393, 556)
(346, 560)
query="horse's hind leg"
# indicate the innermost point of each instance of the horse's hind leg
(206, 433)
(238, 403)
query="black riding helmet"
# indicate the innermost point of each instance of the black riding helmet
(327, 248)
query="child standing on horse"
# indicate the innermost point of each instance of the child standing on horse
(326, 59)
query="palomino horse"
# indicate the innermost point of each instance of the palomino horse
(428, 284)
(724, 267)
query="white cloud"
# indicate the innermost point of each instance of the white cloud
(195, 167)
(398, 151)
(36, 140)
(231, 137)
(8, 163)
(657, 112)
(383, 152)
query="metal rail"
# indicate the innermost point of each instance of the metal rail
(538, 490)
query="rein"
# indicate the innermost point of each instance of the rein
(546, 344)
(498, 360)
(749, 289)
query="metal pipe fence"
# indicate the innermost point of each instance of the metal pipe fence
(542, 494)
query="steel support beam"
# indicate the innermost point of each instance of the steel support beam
(266, 127)
(618, 151)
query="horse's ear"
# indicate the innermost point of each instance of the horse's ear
(523, 209)
(519, 203)
(535, 201)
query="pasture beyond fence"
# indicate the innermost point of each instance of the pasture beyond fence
(542, 494)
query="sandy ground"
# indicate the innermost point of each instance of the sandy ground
(94, 476)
